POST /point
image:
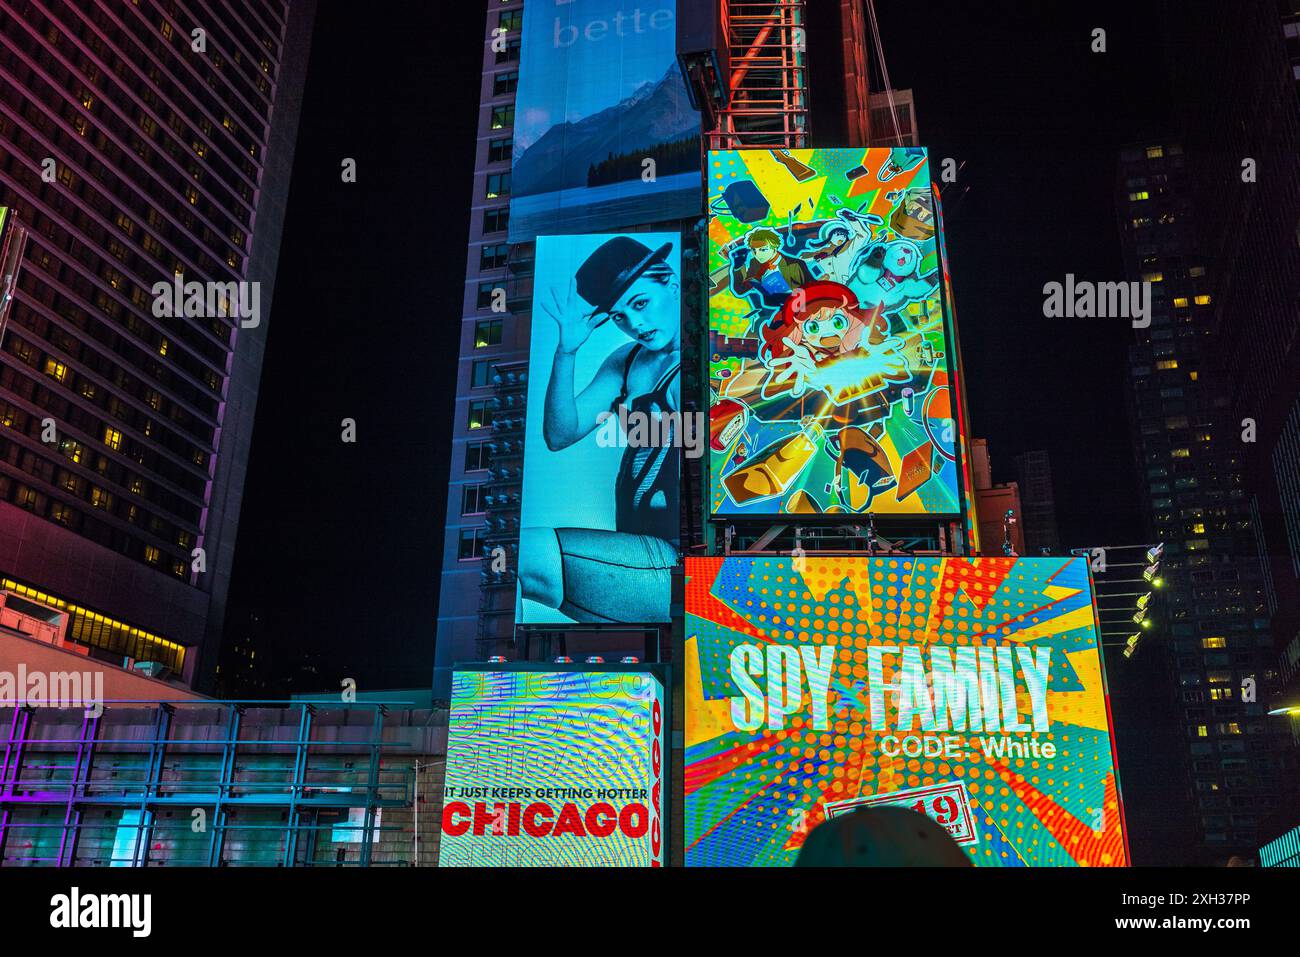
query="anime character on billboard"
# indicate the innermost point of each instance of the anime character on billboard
(886, 276)
(823, 343)
(829, 391)
(620, 574)
(763, 274)
(838, 243)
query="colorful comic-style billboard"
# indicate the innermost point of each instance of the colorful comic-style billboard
(968, 689)
(604, 134)
(600, 518)
(830, 372)
(554, 767)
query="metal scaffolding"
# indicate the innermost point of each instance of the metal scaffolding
(768, 105)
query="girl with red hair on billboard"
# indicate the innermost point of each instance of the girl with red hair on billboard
(822, 340)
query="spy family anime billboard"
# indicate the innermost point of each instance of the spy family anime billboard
(554, 767)
(599, 518)
(604, 134)
(830, 372)
(967, 689)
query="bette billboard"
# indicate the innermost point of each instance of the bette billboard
(830, 371)
(970, 690)
(549, 766)
(599, 517)
(604, 134)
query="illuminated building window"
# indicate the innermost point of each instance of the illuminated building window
(1201, 300)
(56, 370)
(1202, 731)
(1140, 221)
(1181, 453)
(1138, 196)
(1180, 302)
(113, 439)
(1220, 677)
(1193, 376)
(1218, 641)
(1220, 694)
(480, 414)
(503, 117)
(1167, 364)
(487, 332)
(510, 20)
(100, 498)
(1229, 727)
(1198, 528)
(498, 185)
(1153, 277)
(1155, 152)
(1196, 544)
(61, 513)
(1196, 272)
(152, 554)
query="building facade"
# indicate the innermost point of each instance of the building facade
(141, 143)
(1212, 620)
(1038, 503)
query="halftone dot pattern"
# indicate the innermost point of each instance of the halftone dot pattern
(752, 797)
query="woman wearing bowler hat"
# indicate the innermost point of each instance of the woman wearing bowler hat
(620, 574)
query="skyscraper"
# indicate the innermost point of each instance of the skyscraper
(143, 145)
(476, 605)
(1038, 502)
(1242, 122)
(1212, 622)
(772, 98)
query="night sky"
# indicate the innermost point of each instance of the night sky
(339, 546)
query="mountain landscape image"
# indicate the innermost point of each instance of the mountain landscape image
(656, 120)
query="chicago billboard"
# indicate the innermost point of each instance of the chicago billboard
(599, 517)
(830, 371)
(970, 690)
(604, 134)
(551, 767)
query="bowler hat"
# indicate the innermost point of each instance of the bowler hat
(613, 267)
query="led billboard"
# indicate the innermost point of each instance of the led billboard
(553, 767)
(599, 518)
(604, 134)
(971, 690)
(830, 370)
